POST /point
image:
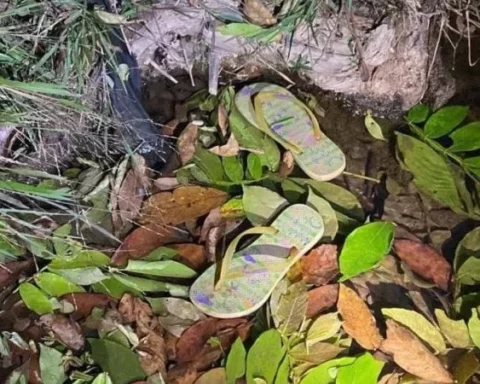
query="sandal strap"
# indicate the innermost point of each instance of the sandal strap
(227, 259)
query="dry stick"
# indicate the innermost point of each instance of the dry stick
(361, 177)
(161, 70)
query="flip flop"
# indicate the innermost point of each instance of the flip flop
(283, 117)
(247, 279)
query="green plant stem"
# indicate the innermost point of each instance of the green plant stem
(361, 177)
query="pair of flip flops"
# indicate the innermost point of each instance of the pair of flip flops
(247, 278)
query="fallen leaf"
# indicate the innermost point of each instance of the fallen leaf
(55, 285)
(144, 240)
(184, 203)
(425, 261)
(329, 216)
(51, 365)
(84, 303)
(193, 340)
(373, 127)
(192, 255)
(291, 309)
(214, 219)
(134, 310)
(261, 204)
(214, 376)
(258, 13)
(153, 354)
(231, 148)
(130, 197)
(10, 272)
(321, 299)
(186, 143)
(419, 325)
(365, 369)
(455, 331)
(409, 353)
(465, 367)
(316, 353)
(358, 322)
(474, 327)
(320, 265)
(324, 373)
(323, 328)
(35, 299)
(287, 164)
(165, 183)
(236, 362)
(66, 331)
(222, 118)
(182, 375)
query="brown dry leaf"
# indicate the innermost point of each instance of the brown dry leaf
(215, 235)
(320, 265)
(165, 184)
(169, 128)
(287, 164)
(184, 203)
(66, 331)
(171, 346)
(187, 142)
(358, 322)
(184, 374)
(214, 219)
(139, 166)
(193, 340)
(192, 255)
(5, 135)
(258, 13)
(321, 299)
(152, 352)
(134, 310)
(231, 148)
(84, 303)
(10, 272)
(214, 376)
(425, 261)
(412, 355)
(130, 197)
(223, 119)
(143, 240)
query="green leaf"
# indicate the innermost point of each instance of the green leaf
(365, 248)
(264, 357)
(473, 165)
(249, 31)
(283, 372)
(474, 327)
(36, 87)
(254, 166)
(329, 217)
(455, 331)
(114, 288)
(81, 276)
(233, 168)
(35, 299)
(147, 285)
(161, 253)
(326, 373)
(261, 205)
(83, 259)
(316, 353)
(55, 285)
(167, 268)
(62, 194)
(465, 367)
(323, 328)
(466, 138)
(364, 370)
(418, 114)
(469, 272)
(209, 163)
(373, 127)
(430, 171)
(468, 246)
(122, 365)
(102, 378)
(247, 135)
(465, 303)
(444, 120)
(419, 325)
(233, 209)
(51, 365)
(291, 309)
(271, 154)
(59, 239)
(235, 366)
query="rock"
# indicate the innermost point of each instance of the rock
(439, 237)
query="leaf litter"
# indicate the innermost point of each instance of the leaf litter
(121, 314)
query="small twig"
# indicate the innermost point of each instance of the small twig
(361, 177)
(162, 71)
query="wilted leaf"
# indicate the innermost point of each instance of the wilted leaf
(264, 357)
(418, 114)
(186, 143)
(213, 376)
(365, 248)
(130, 197)
(321, 299)
(419, 325)
(67, 331)
(235, 367)
(233, 168)
(193, 340)
(292, 308)
(466, 138)
(410, 354)
(184, 203)
(122, 365)
(455, 331)
(316, 353)
(230, 149)
(165, 183)
(329, 217)
(465, 367)
(320, 265)
(192, 255)
(254, 166)
(287, 164)
(430, 170)
(261, 205)
(323, 328)
(474, 327)
(358, 322)
(258, 13)
(51, 365)
(425, 261)
(167, 268)
(364, 370)
(444, 120)
(373, 127)
(326, 373)
(11, 271)
(85, 302)
(55, 285)
(35, 299)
